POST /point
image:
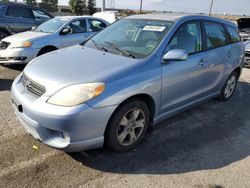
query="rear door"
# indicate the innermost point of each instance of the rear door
(78, 35)
(217, 55)
(19, 18)
(235, 47)
(183, 81)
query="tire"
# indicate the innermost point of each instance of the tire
(45, 50)
(128, 125)
(229, 87)
(3, 34)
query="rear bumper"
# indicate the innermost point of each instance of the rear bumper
(17, 55)
(67, 128)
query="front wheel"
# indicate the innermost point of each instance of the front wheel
(229, 87)
(128, 126)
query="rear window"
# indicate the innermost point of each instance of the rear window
(19, 12)
(215, 35)
(233, 33)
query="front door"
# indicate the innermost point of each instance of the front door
(183, 81)
(78, 35)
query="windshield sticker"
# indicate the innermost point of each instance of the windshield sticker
(153, 28)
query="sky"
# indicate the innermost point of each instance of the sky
(238, 7)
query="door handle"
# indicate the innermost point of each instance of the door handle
(202, 62)
(229, 53)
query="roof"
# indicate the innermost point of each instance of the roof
(73, 17)
(169, 17)
(177, 16)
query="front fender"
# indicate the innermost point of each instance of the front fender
(117, 91)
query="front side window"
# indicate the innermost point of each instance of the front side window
(233, 33)
(78, 26)
(188, 37)
(95, 25)
(52, 25)
(131, 37)
(40, 15)
(215, 35)
(19, 12)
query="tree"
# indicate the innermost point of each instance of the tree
(30, 2)
(49, 5)
(91, 6)
(4, 1)
(77, 6)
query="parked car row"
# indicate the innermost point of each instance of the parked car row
(54, 34)
(131, 75)
(16, 18)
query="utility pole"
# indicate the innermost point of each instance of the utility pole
(141, 7)
(103, 5)
(211, 7)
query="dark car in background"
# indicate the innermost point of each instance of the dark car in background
(244, 27)
(16, 18)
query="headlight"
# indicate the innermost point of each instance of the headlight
(76, 94)
(23, 44)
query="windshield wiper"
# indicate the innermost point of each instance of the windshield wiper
(114, 46)
(98, 46)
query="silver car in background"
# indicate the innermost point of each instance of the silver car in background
(133, 74)
(247, 48)
(54, 34)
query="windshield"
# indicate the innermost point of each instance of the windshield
(51, 26)
(133, 38)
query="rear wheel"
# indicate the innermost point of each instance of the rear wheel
(229, 87)
(128, 126)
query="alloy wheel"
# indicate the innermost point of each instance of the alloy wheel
(131, 127)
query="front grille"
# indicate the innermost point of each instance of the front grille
(4, 45)
(32, 86)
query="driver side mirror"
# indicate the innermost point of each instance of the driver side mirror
(175, 55)
(65, 31)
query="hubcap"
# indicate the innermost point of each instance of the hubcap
(131, 127)
(230, 86)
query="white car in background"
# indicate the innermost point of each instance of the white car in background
(56, 33)
(109, 16)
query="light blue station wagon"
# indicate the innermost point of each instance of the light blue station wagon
(133, 74)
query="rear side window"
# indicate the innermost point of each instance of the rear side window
(40, 15)
(215, 35)
(233, 33)
(19, 12)
(96, 25)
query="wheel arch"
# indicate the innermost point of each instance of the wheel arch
(47, 47)
(5, 29)
(237, 70)
(146, 98)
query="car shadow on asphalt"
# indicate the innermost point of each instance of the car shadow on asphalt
(5, 84)
(15, 67)
(209, 136)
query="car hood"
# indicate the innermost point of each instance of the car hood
(74, 65)
(243, 23)
(24, 36)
